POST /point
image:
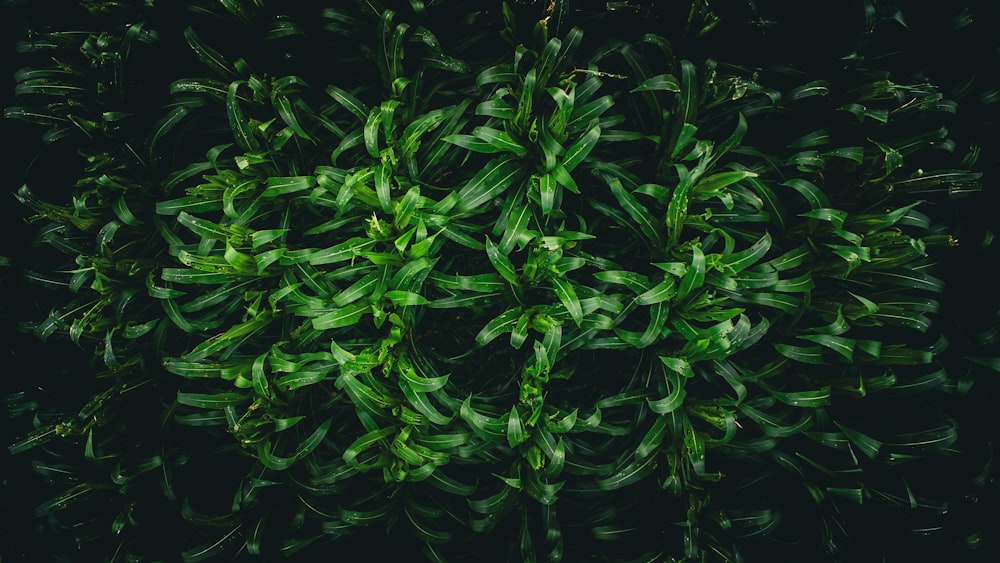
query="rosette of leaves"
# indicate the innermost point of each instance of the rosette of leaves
(545, 301)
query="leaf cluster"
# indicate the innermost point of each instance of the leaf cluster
(512, 288)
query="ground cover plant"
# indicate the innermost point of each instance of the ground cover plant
(493, 280)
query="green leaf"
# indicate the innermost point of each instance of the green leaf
(209, 56)
(210, 550)
(504, 322)
(289, 116)
(579, 150)
(813, 195)
(632, 473)
(361, 288)
(488, 183)
(659, 293)
(474, 144)
(242, 131)
(298, 379)
(482, 425)
(673, 400)
(687, 102)
(717, 182)
(642, 217)
(547, 190)
(423, 384)
(342, 317)
(515, 432)
(366, 442)
(660, 82)
(498, 107)
(499, 140)
(349, 102)
(839, 344)
(567, 296)
(798, 284)
(500, 261)
(201, 227)
(210, 401)
(405, 298)
(868, 445)
(347, 250)
(804, 399)
(288, 185)
(806, 355)
(695, 276)
(191, 204)
(739, 261)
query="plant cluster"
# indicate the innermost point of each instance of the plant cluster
(506, 290)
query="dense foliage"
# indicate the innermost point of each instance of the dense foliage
(498, 280)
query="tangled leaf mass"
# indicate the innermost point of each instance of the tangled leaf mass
(514, 290)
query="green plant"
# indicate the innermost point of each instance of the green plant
(540, 293)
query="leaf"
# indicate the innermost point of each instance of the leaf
(695, 276)
(192, 204)
(495, 74)
(210, 401)
(677, 208)
(582, 115)
(364, 443)
(423, 384)
(798, 284)
(347, 250)
(500, 140)
(633, 473)
(288, 185)
(349, 102)
(807, 355)
(717, 182)
(289, 116)
(472, 143)
(314, 440)
(515, 432)
(868, 445)
(659, 293)
(242, 131)
(642, 217)
(496, 107)
(804, 399)
(488, 183)
(813, 195)
(361, 288)
(687, 102)
(35, 438)
(501, 262)
(484, 426)
(298, 379)
(208, 551)
(567, 296)
(342, 317)
(839, 344)
(201, 227)
(504, 322)
(660, 82)
(371, 130)
(912, 279)
(405, 298)
(411, 136)
(672, 401)
(739, 261)
(579, 150)
(207, 55)
(515, 229)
